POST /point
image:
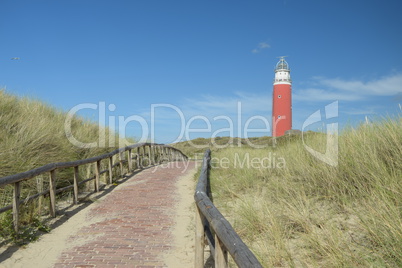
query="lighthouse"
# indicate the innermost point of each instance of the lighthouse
(282, 99)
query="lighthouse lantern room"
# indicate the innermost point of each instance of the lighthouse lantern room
(282, 99)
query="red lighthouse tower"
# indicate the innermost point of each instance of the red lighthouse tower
(282, 99)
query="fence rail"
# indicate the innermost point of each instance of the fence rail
(152, 152)
(211, 226)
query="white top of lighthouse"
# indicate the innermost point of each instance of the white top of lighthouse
(282, 72)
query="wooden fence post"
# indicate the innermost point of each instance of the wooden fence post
(139, 164)
(162, 154)
(157, 157)
(130, 161)
(149, 155)
(199, 239)
(97, 175)
(221, 254)
(168, 155)
(121, 157)
(152, 155)
(52, 193)
(16, 205)
(76, 179)
(39, 187)
(160, 149)
(111, 169)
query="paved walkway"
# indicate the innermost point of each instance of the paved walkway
(135, 226)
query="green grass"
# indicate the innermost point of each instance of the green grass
(301, 212)
(195, 148)
(32, 134)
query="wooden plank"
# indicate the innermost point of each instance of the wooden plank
(221, 254)
(52, 193)
(116, 164)
(199, 240)
(6, 208)
(111, 169)
(87, 180)
(59, 190)
(16, 206)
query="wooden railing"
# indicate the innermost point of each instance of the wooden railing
(151, 152)
(212, 227)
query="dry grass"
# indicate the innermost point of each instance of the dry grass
(32, 134)
(301, 212)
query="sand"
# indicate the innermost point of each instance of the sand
(183, 253)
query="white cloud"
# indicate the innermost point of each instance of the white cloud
(263, 45)
(319, 94)
(385, 86)
(361, 111)
(260, 47)
(210, 105)
(350, 90)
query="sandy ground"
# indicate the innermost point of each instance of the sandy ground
(183, 253)
(45, 252)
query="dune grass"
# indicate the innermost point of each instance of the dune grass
(32, 134)
(295, 211)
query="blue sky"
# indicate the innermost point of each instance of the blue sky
(200, 59)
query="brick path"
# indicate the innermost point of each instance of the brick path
(138, 217)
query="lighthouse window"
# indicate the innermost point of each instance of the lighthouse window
(279, 96)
